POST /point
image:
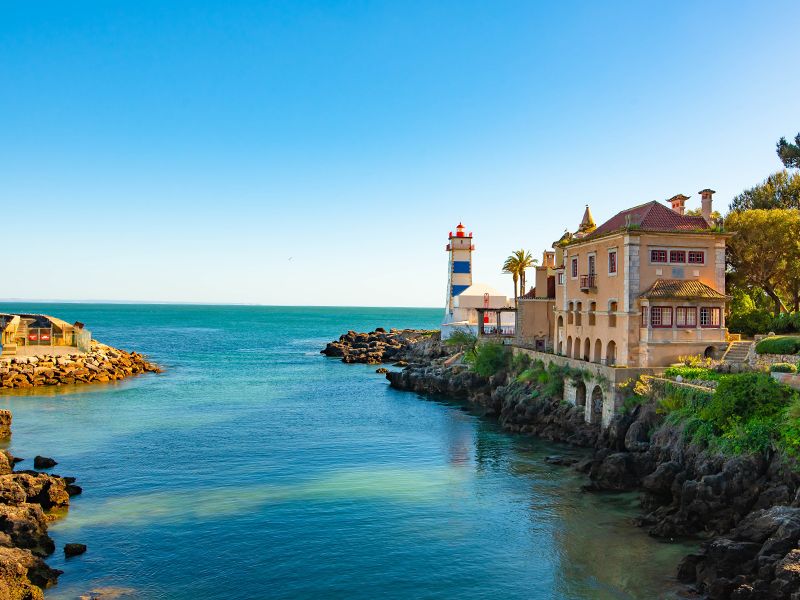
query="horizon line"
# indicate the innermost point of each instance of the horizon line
(186, 303)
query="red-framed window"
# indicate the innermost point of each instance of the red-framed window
(710, 316)
(574, 267)
(686, 316)
(661, 316)
(644, 316)
(658, 256)
(677, 256)
(612, 261)
(697, 257)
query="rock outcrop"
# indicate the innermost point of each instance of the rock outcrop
(381, 346)
(26, 497)
(100, 365)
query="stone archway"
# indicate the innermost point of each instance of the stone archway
(598, 351)
(580, 394)
(611, 353)
(596, 410)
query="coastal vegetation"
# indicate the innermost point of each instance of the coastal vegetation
(748, 413)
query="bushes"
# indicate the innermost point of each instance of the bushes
(690, 373)
(490, 358)
(740, 397)
(750, 323)
(761, 321)
(783, 368)
(779, 345)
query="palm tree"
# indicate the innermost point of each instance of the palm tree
(515, 265)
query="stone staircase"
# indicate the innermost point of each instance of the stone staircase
(737, 353)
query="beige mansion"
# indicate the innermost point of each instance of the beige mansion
(640, 290)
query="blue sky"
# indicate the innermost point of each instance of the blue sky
(319, 152)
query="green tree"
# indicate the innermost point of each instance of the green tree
(789, 153)
(779, 190)
(764, 253)
(515, 265)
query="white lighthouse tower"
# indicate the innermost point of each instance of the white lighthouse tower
(465, 298)
(459, 273)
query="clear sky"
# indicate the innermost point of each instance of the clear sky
(319, 152)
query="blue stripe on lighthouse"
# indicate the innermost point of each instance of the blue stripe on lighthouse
(460, 266)
(457, 289)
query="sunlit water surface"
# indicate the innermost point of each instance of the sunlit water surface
(256, 468)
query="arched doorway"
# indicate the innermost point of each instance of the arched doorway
(598, 351)
(587, 347)
(611, 353)
(580, 394)
(596, 416)
(576, 348)
(568, 349)
(710, 352)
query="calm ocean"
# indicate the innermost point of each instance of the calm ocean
(256, 468)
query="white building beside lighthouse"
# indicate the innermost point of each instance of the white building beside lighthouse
(464, 297)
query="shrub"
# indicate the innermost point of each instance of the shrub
(463, 340)
(751, 323)
(779, 345)
(695, 360)
(690, 373)
(490, 358)
(740, 397)
(783, 368)
(520, 362)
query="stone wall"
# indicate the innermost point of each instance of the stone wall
(764, 361)
(100, 365)
(600, 385)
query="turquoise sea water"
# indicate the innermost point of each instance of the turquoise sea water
(256, 468)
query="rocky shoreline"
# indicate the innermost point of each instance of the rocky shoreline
(29, 500)
(100, 364)
(381, 346)
(744, 511)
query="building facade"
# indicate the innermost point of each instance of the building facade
(643, 288)
(535, 309)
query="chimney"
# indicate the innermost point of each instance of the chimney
(549, 259)
(705, 204)
(678, 203)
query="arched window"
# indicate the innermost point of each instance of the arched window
(576, 348)
(569, 346)
(598, 351)
(587, 346)
(570, 315)
(578, 309)
(592, 309)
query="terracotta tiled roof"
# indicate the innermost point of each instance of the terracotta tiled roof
(681, 288)
(652, 216)
(531, 294)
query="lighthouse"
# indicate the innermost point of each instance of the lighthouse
(459, 266)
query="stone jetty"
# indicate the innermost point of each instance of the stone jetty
(100, 364)
(381, 346)
(29, 500)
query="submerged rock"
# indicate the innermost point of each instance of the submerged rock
(43, 462)
(74, 549)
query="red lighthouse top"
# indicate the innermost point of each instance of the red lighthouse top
(460, 230)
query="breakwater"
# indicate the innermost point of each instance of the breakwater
(100, 364)
(743, 510)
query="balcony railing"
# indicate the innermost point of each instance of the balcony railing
(588, 282)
